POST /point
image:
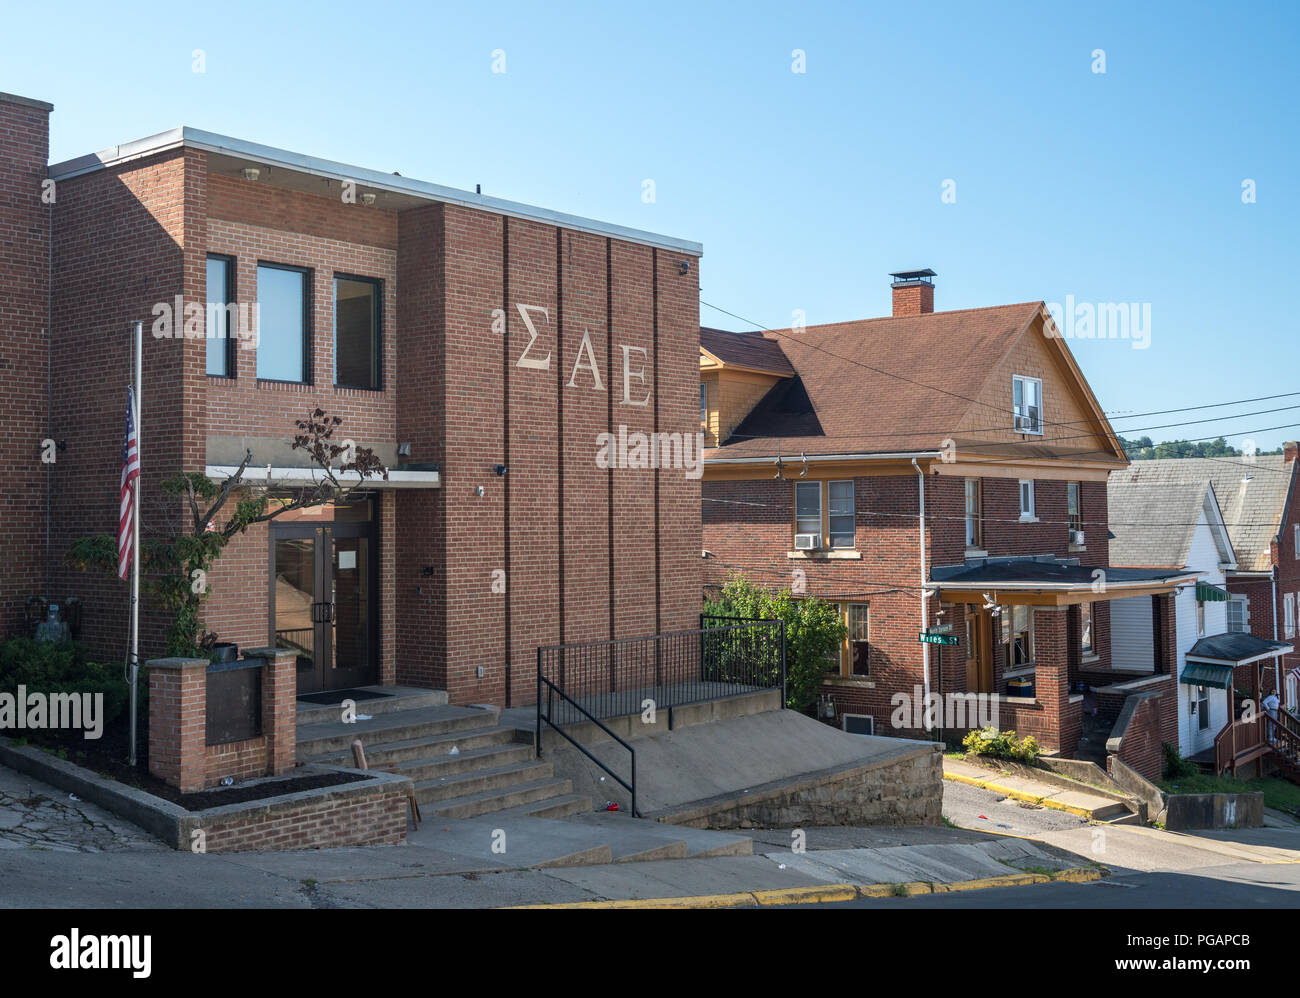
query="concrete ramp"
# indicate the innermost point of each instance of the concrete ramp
(775, 768)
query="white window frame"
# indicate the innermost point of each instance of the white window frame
(704, 405)
(821, 508)
(846, 649)
(1200, 618)
(1021, 380)
(1027, 515)
(1295, 541)
(1087, 642)
(1245, 615)
(974, 518)
(1288, 615)
(831, 515)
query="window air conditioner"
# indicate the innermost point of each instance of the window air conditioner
(807, 542)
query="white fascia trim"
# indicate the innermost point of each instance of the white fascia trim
(196, 138)
(1048, 587)
(1244, 661)
(798, 459)
(309, 476)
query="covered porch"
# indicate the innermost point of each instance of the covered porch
(1221, 662)
(1035, 624)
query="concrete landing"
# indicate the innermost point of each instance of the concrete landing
(769, 768)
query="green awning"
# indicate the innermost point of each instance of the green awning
(1206, 593)
(1204, 674)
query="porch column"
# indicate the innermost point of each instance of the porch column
(1074, 639)
(1164, 634)
(1052, 678)
(178, 703)
(1164, 644)
(279, 706)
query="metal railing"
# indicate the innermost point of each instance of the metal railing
(599, 680)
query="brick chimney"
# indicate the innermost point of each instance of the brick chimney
(1289, 451)
(913, 292)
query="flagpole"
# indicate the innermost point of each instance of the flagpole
(135, 543)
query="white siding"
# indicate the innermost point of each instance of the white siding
(1204, 557)
(1131, 646)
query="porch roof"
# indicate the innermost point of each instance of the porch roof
(1052, 582)
(1237, 648)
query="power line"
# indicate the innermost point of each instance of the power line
(1093, 419)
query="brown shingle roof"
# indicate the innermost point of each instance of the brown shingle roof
(757, 351)
(944, 357)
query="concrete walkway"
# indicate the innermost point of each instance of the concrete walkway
(1090, 806)
(35, 815)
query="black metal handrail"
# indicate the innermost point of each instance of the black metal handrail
(551, 688)
(630, 676)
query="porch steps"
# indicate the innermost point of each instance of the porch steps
(462, 762)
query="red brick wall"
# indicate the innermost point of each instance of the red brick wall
(377, 818)
(24, 354)
(1142, 748)
(747, 528)
(118, 250)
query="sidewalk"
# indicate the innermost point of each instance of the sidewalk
(1090, 806)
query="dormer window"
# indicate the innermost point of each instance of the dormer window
(1027, 404)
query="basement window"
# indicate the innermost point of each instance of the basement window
(1027, 404)
(358, 310)
(284, 323)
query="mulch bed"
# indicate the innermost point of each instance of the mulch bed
(107, 756)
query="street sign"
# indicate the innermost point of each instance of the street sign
(939, 629)
(937, 639)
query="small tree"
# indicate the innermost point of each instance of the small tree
(174, 568)
(813, 632)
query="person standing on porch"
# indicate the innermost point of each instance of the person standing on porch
(1270, 705)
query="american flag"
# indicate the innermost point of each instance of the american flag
(130, 479)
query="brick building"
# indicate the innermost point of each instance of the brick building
(479, 346)
(830, 444)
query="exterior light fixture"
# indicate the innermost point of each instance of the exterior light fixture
(684, 267)
(500, 469)
(368, 198)
(250, 173)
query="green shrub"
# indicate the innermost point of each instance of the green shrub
(60, 667)
(813, 632)
(1001, 745)
(1177, 767)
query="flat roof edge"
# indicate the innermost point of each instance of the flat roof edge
(40, 105)
(197, 138)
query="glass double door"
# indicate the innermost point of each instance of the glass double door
(323, 602)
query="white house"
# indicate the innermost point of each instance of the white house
(1176, 526)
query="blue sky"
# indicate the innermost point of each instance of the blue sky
(806, 189)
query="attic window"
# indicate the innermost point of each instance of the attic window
(1027, 404)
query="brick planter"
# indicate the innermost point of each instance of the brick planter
(178, 748)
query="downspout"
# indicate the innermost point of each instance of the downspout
(925, 599)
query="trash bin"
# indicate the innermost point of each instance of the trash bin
(1020, 687)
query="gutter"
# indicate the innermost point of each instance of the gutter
(925, 596)
(773, 458)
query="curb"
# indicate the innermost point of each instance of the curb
(831, 892)
(971, 781)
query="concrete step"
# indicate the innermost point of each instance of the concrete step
(458, 785)
(518, 842)
(555, 808)
(423, 722)
(411, 749)
(396, 698)
(1109, 812)
(474, 804)
(443, 765)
